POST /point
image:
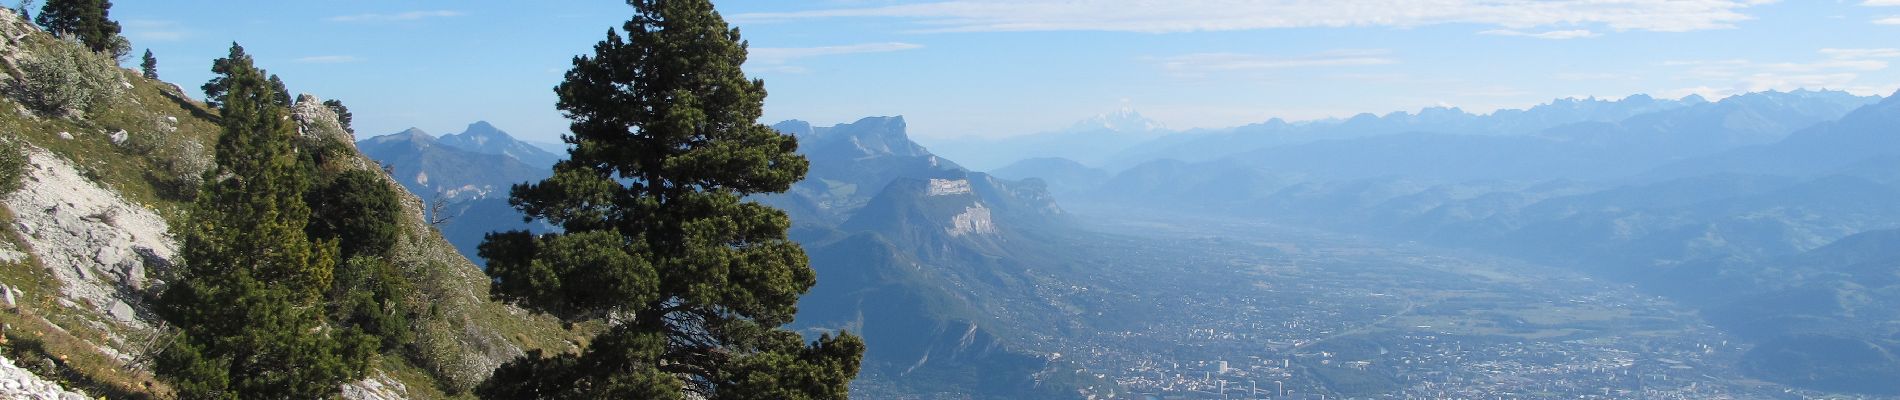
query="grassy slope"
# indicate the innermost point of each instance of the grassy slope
(460, 332)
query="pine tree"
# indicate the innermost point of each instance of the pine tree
(283, 93)
(149, 66)
(88, 19)
(222, 69)
(658, 239)
(248, 300)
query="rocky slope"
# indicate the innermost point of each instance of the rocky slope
(87, 240)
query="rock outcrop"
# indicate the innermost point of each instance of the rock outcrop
(18, 383)
(100, 246)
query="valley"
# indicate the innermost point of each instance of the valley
(1208, 308)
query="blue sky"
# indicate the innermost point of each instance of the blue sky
(959, 68)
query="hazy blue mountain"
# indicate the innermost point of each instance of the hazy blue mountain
(555, 147)
(1583, 150)
(432, 169)
(473, 186)
(1062, 175)
(918, 253)
(1091, 141)
(1214, 144)
(481, 137)
(1823, 317)
(850, 163)
(1865, 134)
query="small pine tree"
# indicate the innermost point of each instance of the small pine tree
(149, 66)
(343, 115)
(283, 93)
(658, 240)
(248, 300)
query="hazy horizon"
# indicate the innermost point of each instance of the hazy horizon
(981, 68)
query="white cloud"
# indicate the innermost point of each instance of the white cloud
(774, 55)
(1838, 69)
(1202, 63)
(1162, 16)
(1851, 54)
(1557, 35)
(1880, 3)
(778, 59)
(149, 30)
(1893, 20)
(327, 59)
(403, 16)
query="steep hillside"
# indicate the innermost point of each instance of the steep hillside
(87, 241)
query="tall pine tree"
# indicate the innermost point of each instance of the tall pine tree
(658, 238)
(87, 19)
(248, 302)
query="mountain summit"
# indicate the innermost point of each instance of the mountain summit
(485, 138)
(1125, 120)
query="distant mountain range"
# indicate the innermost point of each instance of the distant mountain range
(469, 172)
(1774, 213)
(1091, 141)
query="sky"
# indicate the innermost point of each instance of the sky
(992, 68)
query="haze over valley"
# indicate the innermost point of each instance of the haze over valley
(951, 199)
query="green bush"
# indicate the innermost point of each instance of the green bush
(359, 210)
(12, 166)
(369, 296)
(63, 79)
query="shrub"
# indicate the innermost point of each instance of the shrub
(64, 79)
(12, 166)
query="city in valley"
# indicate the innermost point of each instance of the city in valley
(1210, 310)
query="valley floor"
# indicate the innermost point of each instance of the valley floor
(1217, 308)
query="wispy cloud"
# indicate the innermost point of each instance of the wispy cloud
(1836, 69)
(784, 54)
(1555, 35)
(1893, 20)
(1156, 16)
(333, 59)
(149, 30)
(1202, 63)
(1880, 3)
(777, 59)
(402, 16)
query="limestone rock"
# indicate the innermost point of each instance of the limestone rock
(99, 245)
(19, 383)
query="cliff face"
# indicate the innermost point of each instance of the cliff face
(88, 240)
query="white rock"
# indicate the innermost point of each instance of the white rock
(66, 135)
(119, 137)
(18, 383)
(89, 237)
